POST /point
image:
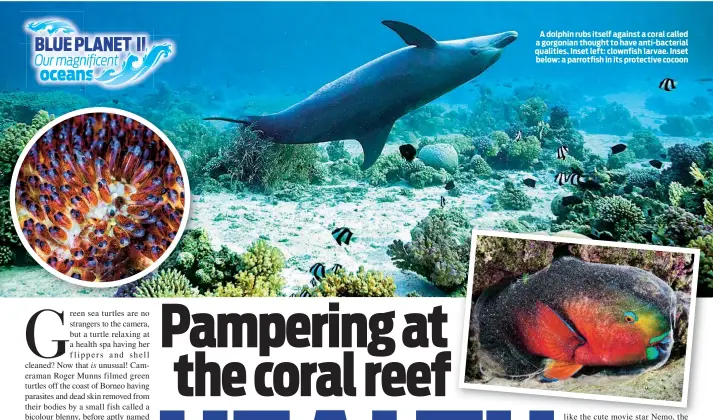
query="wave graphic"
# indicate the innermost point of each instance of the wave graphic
(135, 68)
(51, 26)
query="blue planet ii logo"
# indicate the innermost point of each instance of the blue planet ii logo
(61, 54)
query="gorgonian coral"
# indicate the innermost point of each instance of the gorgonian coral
(438, 250)
(100, 197)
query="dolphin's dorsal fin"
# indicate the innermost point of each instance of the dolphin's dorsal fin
(410, 34)
(372, 143)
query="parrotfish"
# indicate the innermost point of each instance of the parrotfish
(575, 314)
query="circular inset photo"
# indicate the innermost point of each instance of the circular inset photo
(100, 197)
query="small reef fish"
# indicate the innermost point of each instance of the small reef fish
(618, 148)
(564, 178)
(115, 101)
(530, 181)
(656, 163)
(443, 202)
(450, 185)
(342, 235)
(336, 268)
(518, 136)
(571, 200)
(573, 314)
(667, 84)
(318, 271)
(562, 152)
(408, 152)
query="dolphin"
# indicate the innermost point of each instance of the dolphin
(365, 103)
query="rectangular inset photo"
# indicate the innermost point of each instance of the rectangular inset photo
(578, 318)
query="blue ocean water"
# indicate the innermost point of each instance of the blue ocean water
(294, 48)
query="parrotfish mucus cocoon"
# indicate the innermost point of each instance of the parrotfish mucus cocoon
(574, 314)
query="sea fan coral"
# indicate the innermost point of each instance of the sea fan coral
(100, 197)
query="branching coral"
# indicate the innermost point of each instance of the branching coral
(645, 144)
(259, 274)
(676, 192)
(513, 198)
(532, 111)
(682, 158)
(643, 177)
(438, 250)
(363, 283)
(617, 215)
(166, 284)
(200, 263)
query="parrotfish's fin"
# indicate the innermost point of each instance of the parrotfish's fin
(410, 34)
(556, 370)
(373, 143)
(555, 337)
(247, 119)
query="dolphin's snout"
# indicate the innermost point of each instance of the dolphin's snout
(504, 39)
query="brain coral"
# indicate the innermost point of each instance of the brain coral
(440, 156)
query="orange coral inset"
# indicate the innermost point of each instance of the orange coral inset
(100, 197)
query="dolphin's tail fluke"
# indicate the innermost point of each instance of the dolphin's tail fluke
(247, 120)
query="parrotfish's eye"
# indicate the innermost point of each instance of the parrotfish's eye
(630, 317)
(474, 51)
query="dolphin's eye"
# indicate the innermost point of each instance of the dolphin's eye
(630, 317)
(474, 51)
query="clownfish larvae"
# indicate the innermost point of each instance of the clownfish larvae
(91, 189)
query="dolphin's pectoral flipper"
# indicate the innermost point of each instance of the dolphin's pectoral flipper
(372, 143)
(410, 34)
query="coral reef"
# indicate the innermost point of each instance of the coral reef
(682, 227)
(512, 197)
(363, 283)
(645, 144)
(166, 284)
(617, 215)
(439, 156)
(612, 118)
(532, 111)
(22, 106)
(438, 250)
(705, 266)
(678, 126)
(337, 151)
(479, 166)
